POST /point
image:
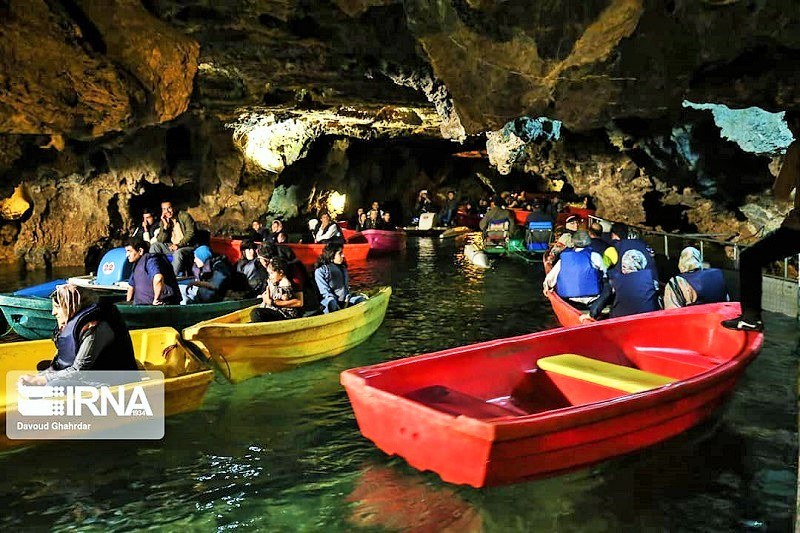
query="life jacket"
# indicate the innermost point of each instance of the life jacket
(143, 294)
(578, 278)
(117, 356)
(624, 245)
(709, 284)
(635, 293)
(599, 245)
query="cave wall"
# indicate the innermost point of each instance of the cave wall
(106, 105)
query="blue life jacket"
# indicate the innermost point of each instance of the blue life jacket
(709, 284)
(578, 277)
(117, 356)
(624, 245)
(635, 293)
(143, 282)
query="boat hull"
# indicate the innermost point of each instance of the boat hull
(566, 314)
(489, 416)
(244, 350)
(309, 253)
(31, 317)
(385, 241)
(186, 380)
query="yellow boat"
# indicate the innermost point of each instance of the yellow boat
(243, 350)
(186, 379)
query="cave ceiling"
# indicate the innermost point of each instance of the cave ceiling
(86, 68)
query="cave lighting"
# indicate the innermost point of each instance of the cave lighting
(471, 154)
(336, 202)
(258, 149)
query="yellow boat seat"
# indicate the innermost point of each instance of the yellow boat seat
(606, 374)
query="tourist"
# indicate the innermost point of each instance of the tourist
(354, 221)
(256, 233)
(250, 270)
(386, 223)
(596, 233)
(423, 204)
(448, 213)
(625, 240)
(149, 228)
(152, 280)
(176, 236)
(212, 278)
(333, 283)
(90, 335)
(363, 222)
(498, 223)
(280, 300)
(572, 223)
(694, 284)
(578, 274)
(373, 220)
(328, 231)
(275, 229)
(633, 288)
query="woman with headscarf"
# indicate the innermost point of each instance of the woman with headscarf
(212, 277)
(694, 285)
(89, 336)
(633, 288)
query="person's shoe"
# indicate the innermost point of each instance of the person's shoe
(743, 323)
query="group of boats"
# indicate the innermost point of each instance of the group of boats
(491, 413)
(187, 342)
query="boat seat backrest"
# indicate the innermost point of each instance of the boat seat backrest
(618, 377)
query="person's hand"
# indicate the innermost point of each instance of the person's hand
(33, 380)
(266, 299)
(173, 247)
(546, 290)
(144, 224)
(156, 301)
(585, 318)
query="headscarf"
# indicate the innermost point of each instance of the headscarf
(71, 299)
(203, 253)
(633, 261)
(690, 260)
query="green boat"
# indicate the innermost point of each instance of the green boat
(30, 316)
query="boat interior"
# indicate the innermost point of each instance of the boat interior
(569, 367)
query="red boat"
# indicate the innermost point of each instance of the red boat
(467, 219)
(309, 253)
(566, 314)
(227, 247)
(385, 241)
(520, 216)
(523, 407)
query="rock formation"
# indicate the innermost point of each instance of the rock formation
(107, 106)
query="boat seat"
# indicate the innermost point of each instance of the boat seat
(618, 377)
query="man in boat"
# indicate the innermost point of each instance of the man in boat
(333, 281)
(212, 277)
(596, 233)
(578, 274)
(256, 233)
(386, 223)
(694, 285)
(152, 280)
(632, 290)
(497, 222)
(363, 222)
(448, 212)
(280, 300)
(176, 236)
(328, 230)
(149, 228)
(783, 242)
(423, 205)
(90, 336)
(251, 273)
(624, 241)
(373, 220)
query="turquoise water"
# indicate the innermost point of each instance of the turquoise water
(283, 453)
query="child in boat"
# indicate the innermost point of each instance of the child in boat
(90, 336)
(330, 274)
(280, 300)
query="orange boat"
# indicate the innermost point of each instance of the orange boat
(513, 409)
(309, 253)
(566, 314)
